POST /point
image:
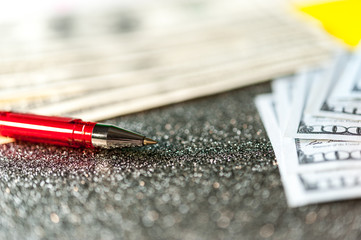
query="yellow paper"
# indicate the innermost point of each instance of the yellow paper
(340, 18)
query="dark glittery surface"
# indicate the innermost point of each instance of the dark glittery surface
(213, 175)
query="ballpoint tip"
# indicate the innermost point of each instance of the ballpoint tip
(148, 141)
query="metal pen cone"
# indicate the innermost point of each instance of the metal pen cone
(148, 141)
(109, 136)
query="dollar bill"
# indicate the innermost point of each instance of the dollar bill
(308, 154)
(333, 153)
(307, 126)
(309, 169)
(323, 186)
(338, 95)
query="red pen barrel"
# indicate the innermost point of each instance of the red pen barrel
(52, 130)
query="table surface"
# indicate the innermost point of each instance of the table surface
(213, 175)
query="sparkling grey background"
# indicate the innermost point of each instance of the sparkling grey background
(213, 175)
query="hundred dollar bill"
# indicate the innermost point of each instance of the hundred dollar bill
(306, 126)
(338, 95)
(323, 186)
(314, 155)
(309, 153)
(304, 155)
(322, 179)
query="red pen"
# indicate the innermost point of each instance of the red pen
(67, 131)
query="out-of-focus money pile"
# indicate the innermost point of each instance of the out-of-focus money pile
(313, 120)
(104, 62)
(144, 55)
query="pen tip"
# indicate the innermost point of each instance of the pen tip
(148, 141)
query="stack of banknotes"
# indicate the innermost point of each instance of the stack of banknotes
(132, 58)
(313, 119)
(138, 55)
